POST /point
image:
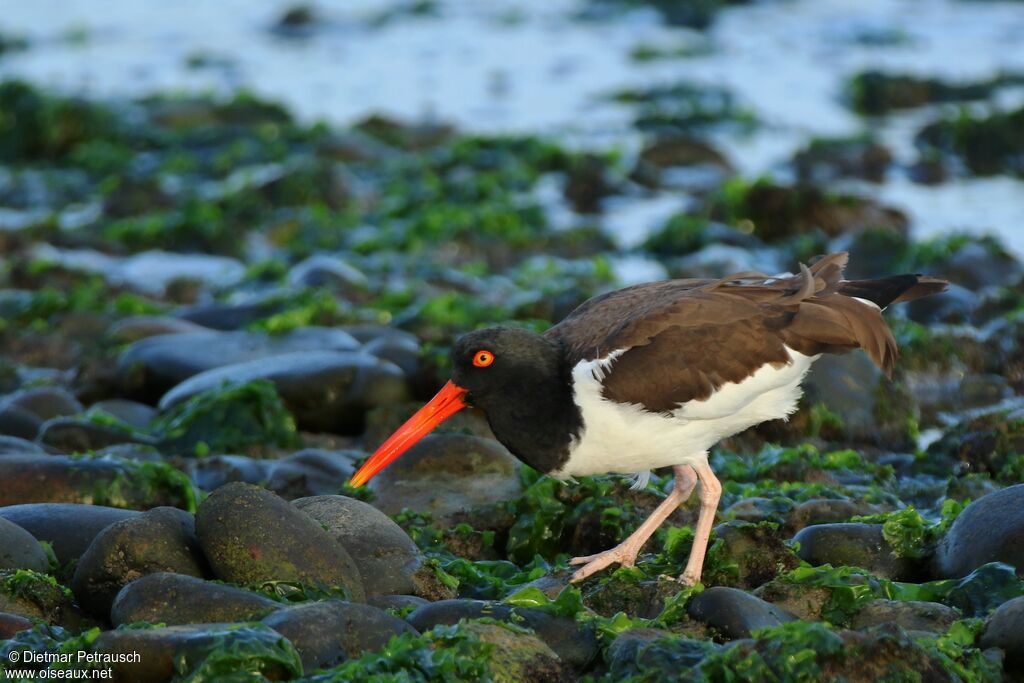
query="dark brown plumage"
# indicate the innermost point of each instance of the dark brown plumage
(683, 339)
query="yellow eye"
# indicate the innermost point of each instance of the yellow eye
(483, 358)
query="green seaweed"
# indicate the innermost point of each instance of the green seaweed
(246, 653)
(445, 653)
(232, 417)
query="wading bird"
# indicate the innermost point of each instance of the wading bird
(654, 375)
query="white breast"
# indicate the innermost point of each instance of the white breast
(625, 438)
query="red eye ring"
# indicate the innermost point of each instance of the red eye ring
(483, 358)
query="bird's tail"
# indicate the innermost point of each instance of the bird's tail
(895, 289)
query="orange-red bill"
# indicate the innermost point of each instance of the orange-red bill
(446, 403)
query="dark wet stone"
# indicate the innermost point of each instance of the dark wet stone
(402, 351)
(311, 472)
(154, 365)
(387, 558)
(167, 598)
(912, 615)
(63, 479)
(735, 613)
(1005, 629)
(574, 643)
(13, 445)
(136, 414)
(977, 264)
(831, 159)
(11, 624)
(991, 529)
(45, 402)
(396, 601)
(447, 473)
(68, 527)
(656, 161)
(827, 511)
(135, 328)
(587, 183)
(855, 544)
(160, 540)
(20, 550)
(326, 391)
(77, 435)
(18, 422)
(758, 552)
(229, 317)
(132, 451)
(859, 400)
(323, 270)
(214, 471)
(250, 535)
(161, 651)
(329, 632)
(955, 305)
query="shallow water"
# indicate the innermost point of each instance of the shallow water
(536, 67)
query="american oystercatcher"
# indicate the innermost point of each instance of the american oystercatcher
(654, 375)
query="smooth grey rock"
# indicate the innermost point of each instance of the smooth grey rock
(20, 550)
(387, 558)
(18, 422)
(447, 473)
(68, 527)
(912, 615)
(160, 540)
(311, 472)
(329, 632)
(250, 535)
(136, 414)
(735, 613)
(77, 435)
(853, 543)
(1005, 629)
(326, 391)
(45, 402)
(168, 598)
(991, 529)
(152, 366)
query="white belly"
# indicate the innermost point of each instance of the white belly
(625, 438)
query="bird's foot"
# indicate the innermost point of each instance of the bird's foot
(621, 554)
(690, 578)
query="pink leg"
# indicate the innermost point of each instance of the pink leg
(625, 553)
(710, 493)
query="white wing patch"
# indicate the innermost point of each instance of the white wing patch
(625, 438)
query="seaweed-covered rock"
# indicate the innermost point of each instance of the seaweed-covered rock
(329, 632)
(79, 435)
(160, 540)
(327, 391)
(875, 92)
(1004, 629)
(735, 613)
(208, 651)
(20, 550)
(574, 643)
(155, 364)
(519, 656)
(986, 443)
(826, 160)
(991, 529)
(852, 544)
(68, 527)
(757, 551)
(654, 654)
(250, 536)
(826, 511)
(167, 598)
(387, 558)
(448, 473)
(38, 597)
(106, 480)
(987, 145)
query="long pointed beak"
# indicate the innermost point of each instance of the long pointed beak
(446, 403)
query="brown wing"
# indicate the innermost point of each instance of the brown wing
(685, 338)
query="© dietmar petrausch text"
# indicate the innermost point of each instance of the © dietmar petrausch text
(80, 665)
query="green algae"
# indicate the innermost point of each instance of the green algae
(987, 145)
(233, 417)
(875, 92)
(445, 653)
(246, 653)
